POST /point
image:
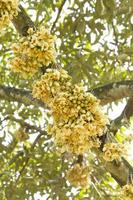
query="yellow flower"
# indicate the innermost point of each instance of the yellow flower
(127, 192)
(24, 64)
(79, 176)
(8, 10)
(113, 151)
(37, 47)
(78, 120)
(51, 83)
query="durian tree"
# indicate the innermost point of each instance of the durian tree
(65, 66)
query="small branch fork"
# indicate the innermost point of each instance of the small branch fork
(25, 124)
(41, 133)
(28, 156)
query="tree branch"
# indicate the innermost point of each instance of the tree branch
(107, 94)
(121, 171)
(22, 22)
(124, 117)
(25, 124)
(114, 91)
(21, 153)
(28, 156)
(58, 15)
(19, 95)
(128, 111)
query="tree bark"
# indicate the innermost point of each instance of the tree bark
(114, 91)
(19, 95)
(22, 22)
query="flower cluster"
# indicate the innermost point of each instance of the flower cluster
(33, 51)
(127, 192)
(79, 176)
(113, 151)
(21, 135)
(50, 85)
(77, 117)
(8, 10)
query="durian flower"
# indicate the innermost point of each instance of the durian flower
(78, 119)
(79, 176)
(127, 192)
(33, 52)
(8, 10)
(113, 151)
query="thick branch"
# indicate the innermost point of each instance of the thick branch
(114, 91)
(22, 22)
(19, 95)
(124, 117)
(121, 171)
(128, 111)
(107, 94)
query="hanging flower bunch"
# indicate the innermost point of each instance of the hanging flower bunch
(8, 10)
(78, 120)
(127, 192)
(51, 84)
(113, 151)
(33, 51)
(79, 176)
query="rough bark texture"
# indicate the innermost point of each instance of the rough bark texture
(19, 95)
(114, 91)
(22, 22)
(109, 93)
(124, 117)
(121, 172)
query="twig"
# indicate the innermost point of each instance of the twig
(28, 156)
(58, 15)
(6, 118)
(25, 124)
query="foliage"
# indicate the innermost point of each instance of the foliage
(94, 44)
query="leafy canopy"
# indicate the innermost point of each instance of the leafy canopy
(94, 44)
